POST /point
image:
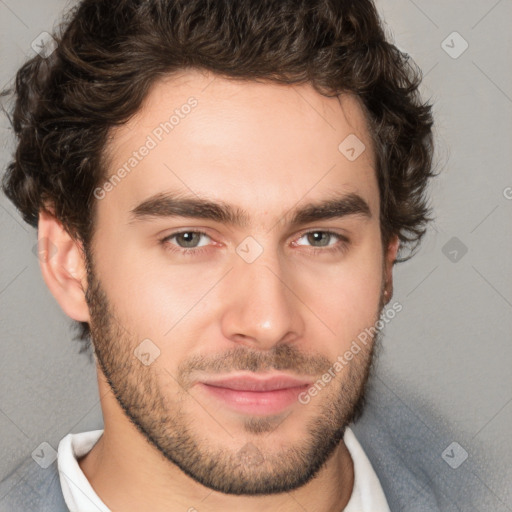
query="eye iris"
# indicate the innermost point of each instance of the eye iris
(313, 238)
(189, 238)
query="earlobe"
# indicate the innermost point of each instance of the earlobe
(63, 266)
(391, 255)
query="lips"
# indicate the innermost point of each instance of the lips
(261, 395)
(272, 383)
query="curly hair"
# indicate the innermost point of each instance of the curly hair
(110, 52)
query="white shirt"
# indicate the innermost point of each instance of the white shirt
(367, 494)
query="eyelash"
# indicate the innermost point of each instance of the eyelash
(338, 248)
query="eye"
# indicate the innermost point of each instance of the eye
(189, 238)
(322, 238)
(186, 242)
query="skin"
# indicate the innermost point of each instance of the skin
(266, 148)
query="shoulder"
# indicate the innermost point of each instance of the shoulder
(30, 487)
(405, 448)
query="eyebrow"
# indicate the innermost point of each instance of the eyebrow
(165, 205)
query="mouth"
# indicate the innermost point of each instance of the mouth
(263, 395)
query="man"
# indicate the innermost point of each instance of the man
(221, 190)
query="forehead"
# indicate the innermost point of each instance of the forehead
(258, 145)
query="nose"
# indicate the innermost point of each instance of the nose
(262, 309)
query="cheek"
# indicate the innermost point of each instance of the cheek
(346, 297)
(156, 300)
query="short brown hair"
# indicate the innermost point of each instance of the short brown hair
(110, 52)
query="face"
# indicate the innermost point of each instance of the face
(213, 322)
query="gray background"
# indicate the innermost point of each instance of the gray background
(447, 356)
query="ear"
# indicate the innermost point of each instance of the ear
(63, 267)
(390, 258)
